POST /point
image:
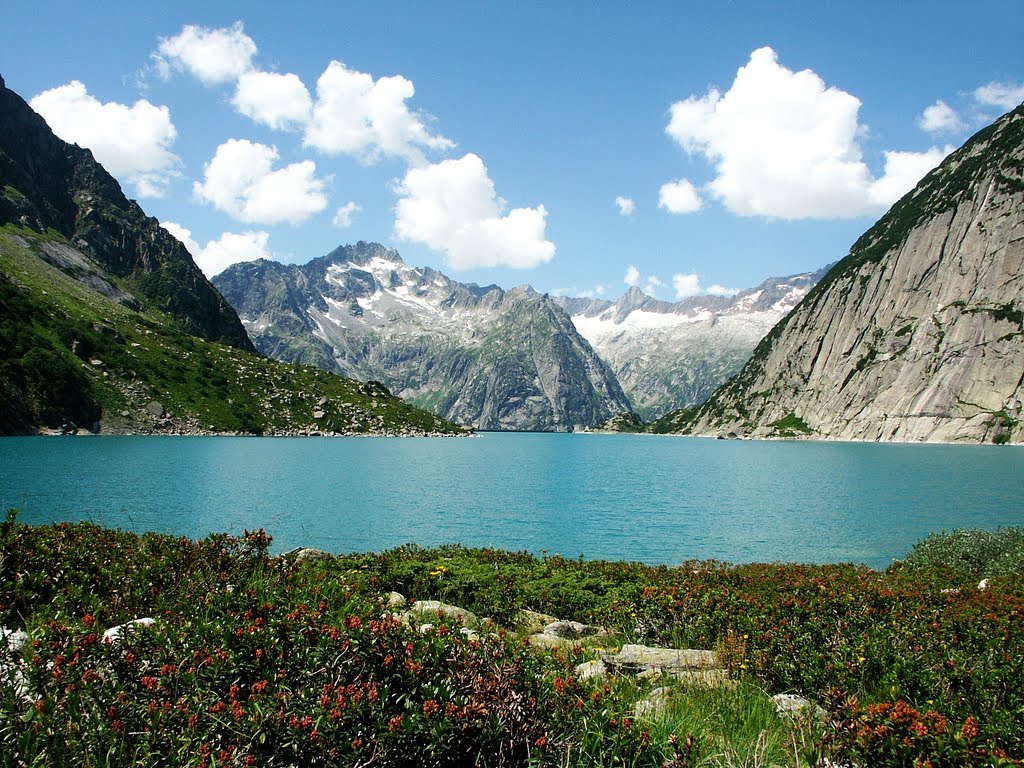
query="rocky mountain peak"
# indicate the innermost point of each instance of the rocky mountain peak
(631, 300)
(487, 357)
(363, 254)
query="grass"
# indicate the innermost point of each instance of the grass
(262, 660)
(113, 360)
(791, 425)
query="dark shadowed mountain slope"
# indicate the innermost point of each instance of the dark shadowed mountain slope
(47, 184)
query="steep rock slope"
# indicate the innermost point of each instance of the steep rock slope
(918, 334)
(485, 357)
(670, 355)
(46, 183)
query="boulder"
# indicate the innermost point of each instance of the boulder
(546, 631)
(654, 706)
(155, 409)
(423, 608)
(792, 706)
(395, 600)
(114, 635)
(301, 554)
(531, 622)
(14, 638)
(591, 670)
(572, 629)
(544, 640)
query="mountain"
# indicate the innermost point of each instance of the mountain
(485, 357)
(917, 335)
(50, 185)
(670, 355)
(106, 323)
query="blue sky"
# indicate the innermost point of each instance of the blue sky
(493, 141)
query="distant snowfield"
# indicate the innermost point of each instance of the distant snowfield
(672, 355)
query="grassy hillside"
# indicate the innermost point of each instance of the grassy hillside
(72, 357)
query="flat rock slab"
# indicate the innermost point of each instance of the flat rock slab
(636, 658)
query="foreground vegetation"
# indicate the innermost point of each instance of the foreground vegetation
(261, 660)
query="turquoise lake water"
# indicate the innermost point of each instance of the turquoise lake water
(624, 497)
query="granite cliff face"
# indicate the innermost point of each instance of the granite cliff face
(48, 184)
(670, 355)
(484, 357)
(917, 335)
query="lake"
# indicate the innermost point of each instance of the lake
(624, 497)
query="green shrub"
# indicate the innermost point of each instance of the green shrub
(972, 552)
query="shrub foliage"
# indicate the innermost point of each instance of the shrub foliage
(262, 660)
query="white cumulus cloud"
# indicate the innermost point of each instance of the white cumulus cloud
(627, 206)
(632, 278)
(343, 216)
(452, 207)
(686, 285)
(278, 101)
(940, 118)
(679, 196)
(240, 181)
(132, 143)
(783, 145)
(357, 115)
(902, 171)
(212, 55)
(1006, 96)
(230, 248)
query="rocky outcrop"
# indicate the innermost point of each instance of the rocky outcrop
(917, 335)
(422, 609)
(49, 185)
(484, 357)
(115, 635)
